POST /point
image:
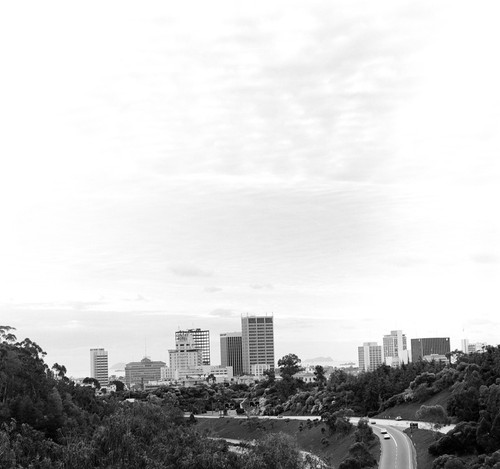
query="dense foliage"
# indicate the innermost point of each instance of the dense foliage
(47, 421)
(475, 403)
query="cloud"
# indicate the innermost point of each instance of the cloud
(189, 270)
(212, 289)
(262, 286)
(404, 261)
(138, 298)
(223, 313)
(486, 258)
(55, 305)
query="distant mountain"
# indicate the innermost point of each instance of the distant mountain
(318, 360)
(117, 367)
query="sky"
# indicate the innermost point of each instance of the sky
(169, 166)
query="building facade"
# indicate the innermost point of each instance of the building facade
(430, 346)
(140, 373)
(395, 348)
(99, 365)
(201, 341)
(472, 348)
(257, 342)
(369, 356)
(186, 356)
(231, 352)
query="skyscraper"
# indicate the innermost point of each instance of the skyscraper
(231, 353)
(201, 341)
(99, 365)
(186, 356)
(422, 348)
(257, 342)
(370, 356)
(395, 351)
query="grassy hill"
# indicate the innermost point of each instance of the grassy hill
(407, 411)
(313, 438)
(309, 437)
(421, 439)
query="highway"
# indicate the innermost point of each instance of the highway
(397, 452)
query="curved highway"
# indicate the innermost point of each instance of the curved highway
(397, 451)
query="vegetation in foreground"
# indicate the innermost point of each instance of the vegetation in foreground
(46, 420)
(312, 436)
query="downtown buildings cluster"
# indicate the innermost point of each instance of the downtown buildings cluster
(394, 350)
(245, 356)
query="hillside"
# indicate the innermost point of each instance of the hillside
(313, 438)
(407, 410)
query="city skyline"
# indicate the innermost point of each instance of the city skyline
(165, 167)
(326, 360)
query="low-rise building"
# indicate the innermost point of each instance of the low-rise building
(139, 373)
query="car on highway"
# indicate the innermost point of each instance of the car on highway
(387, 437)
(399, 417)
(383, 431)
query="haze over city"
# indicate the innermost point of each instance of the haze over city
(166, 167)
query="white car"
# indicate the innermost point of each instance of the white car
(384, 432)
(387, 437)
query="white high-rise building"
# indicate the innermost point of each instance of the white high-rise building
(257, 343)
(395, 349)
(99, 365)
(186, 357)
(201, 340)
(472, 348)
(370, 356)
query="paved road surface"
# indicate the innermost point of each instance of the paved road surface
(397, 452)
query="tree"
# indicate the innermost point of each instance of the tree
(211, 377)
(359, 451)
(350, 463)
(276, 450)
(92, 381)
(60, 371)
(319, 375)
(289, 365)
(270, 376)
(364, 432)
(434, 414)
(286, 387)
(120, 385)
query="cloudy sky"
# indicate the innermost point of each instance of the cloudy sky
(334, 163)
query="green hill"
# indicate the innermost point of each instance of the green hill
(313, 438)
(407, 410)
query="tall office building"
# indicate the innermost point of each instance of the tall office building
(201, 340)
(395, 349)
(257, 343)
(186, 356)
(231, 352)
(426, 348)
(99, 365)
(370, 356)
